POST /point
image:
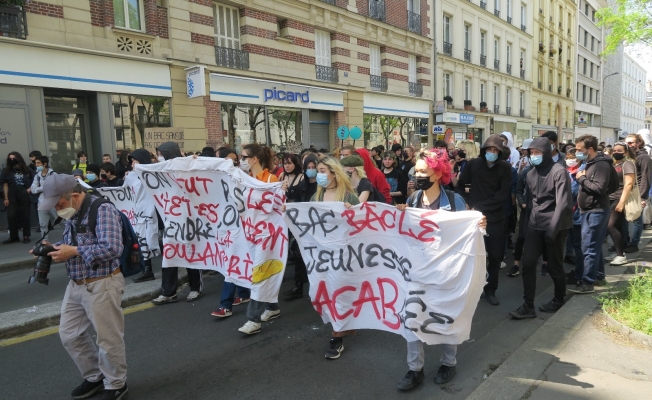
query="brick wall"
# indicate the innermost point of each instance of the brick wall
(425, 19)
(342, 66)
(363, 7)
(260, 15)
(207, 3)
(151, 17)
(201, 19)
(202, 39)
(49, 10)
(213, 123)
(275, 53)
(162, 17)
(258, 32)
(396, 13)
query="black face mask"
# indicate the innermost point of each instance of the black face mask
(618, 156)
(103, 176)
(461, 153)
(424, 182)
(13, 162)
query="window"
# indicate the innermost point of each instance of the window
(497, 5)
(467, 89)
(592, 43)
(467, 37)
(590, 95)
(509, 8)
(586, 38)
(592, 65)
(323, 48)
(508, 97)
(483, 43)
(496, 49)
(227, 27)
(586, 9)
(412, 68)
(414, 6)
(496, 94)
(521, 100)
(447, 29)
(584, 69)
(129, 14)
(482, 94)
(523, 14)
(584, 93)
(509, 53)
(447, 84)
(374, 60)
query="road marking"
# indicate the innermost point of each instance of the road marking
(55, 329)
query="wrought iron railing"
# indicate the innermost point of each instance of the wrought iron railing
(522, 74)
(497, 13)
(540, 85)
(521, 112)
(483, 60)
(509, 20)
(550, 88)
(483, 5)
(414, 22)
(327, 74)
(448, 49)
(378, 82)
(508, 110)
(509, 68)
(231, 58)
(416, 89)
(496, 109)
(467, 55)
(523, 28)
(329, 1)
(13, 22)
(377, 9)
(496, 65)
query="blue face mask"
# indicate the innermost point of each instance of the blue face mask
(91, 177)
(39, 168)
(491, 157)
(322, 180)
(311, 173)
(536, 160)
(580, 155)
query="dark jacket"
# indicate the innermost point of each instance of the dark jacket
(15, 191)
(548, 194)
(141, 155)
(593, 195)
(490, 186)
(643, 171)
(169, 150)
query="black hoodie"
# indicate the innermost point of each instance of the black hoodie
(548, 194)
(169, 150)
(141, 155)
(490, 186)
(643, 171)
(593, 194)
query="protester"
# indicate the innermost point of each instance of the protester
(16, 180)
(577, 259)
(396, 180)
(375, 153)
(170, 275)
(208, 152)
(78, 174)
(376, 177)
(512, 155)
(82, 159)
(228, 153)
(108, 175)
(557, 156)
(489, 182)
(123, 165)
(93, 176)
(106, 158)
(276, 166)
(354, 167)
(309, 187)
(593, 201)
(643, 176)
(334, 185)
(346, 151)
(336, 152)
(548, 212)
(623, 159)
(397, 149)
(432, 172)
(33, 155)
(470, 149)
(43, 172)
(525, 167)
(406, 164)
(292, 176)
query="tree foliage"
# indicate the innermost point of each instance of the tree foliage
(628, 22)
(12, 3)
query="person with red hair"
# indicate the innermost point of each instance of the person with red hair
(375, 175)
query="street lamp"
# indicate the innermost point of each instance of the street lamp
(602, 103)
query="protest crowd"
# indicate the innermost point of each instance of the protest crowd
(544, 199)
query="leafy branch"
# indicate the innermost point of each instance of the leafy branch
(628, 22)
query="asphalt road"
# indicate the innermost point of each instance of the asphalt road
(178, 351)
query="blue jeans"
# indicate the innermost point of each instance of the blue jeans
(228, 294)
(637, 231)
(594, 230)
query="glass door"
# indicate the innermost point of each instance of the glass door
(67, 125)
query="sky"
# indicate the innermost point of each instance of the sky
(642, 53)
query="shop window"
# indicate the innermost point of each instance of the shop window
(135, 113)
(387, 129)
(129, 14)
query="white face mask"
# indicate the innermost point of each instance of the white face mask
(67, 213)
(244, 165)
(571, 163)
(161, 159)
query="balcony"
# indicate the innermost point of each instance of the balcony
(483, 60)
(467, 55)
(416, 89)
(327, 74)
(550, 88)
(496, 109)
(332, 2)
(497, 13)
(13, 22)
(509, 20)
(378, 83)
(522, 74)
(541, 11)
(448, 49)
(508, 110)
(231, 58)
(509, 68)
(483, 5)
(568, 63)
(377, 10)
(521, 113)
(560, 26)
(523, 28)
(540, 85)
(414, 22)
(496, 65)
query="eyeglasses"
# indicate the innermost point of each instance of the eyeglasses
(629, 143)
(245, 157)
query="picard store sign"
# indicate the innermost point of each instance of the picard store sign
(282, 95)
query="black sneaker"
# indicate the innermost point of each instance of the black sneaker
(411, 380)
(631, 249)
(335, 348)
(445, 374)
(514, 271)
(600, 282)
(294, 293)
(552, 306)
(544, 269)
(569, 259)
(114, 394)
(582, 288)
(571, 279)
(523, 312)
(491, 298)
(86, 389)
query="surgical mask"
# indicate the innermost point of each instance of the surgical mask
(424, 182)
(580, 155)
(161, 159)
(618, 156)
(536, 160)
(491, 157)
(91, 177)
(571, 163)
(311, 173)
(244, 166)
(322, 180)
(39, 168)
(67, 213)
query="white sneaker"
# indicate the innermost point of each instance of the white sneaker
(270, 314)
(193, 295)
(250, 328)
(611, 256)
(619, 260)
(502, 265)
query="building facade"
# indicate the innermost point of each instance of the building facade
(633, 96)
(553, 70)
(589, 70)
(92, 75)
(483, 76)
(648, 106)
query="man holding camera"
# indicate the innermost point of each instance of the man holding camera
(94, 293)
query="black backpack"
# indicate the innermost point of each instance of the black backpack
(613, 177)
(413, 200)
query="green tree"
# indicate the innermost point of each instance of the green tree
(388, 124)
(628, 22)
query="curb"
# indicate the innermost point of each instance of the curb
(632, 334)
(20, 322)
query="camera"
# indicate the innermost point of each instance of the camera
(43, 262)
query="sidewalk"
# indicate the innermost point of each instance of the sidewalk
(16, 255)
(575, 355)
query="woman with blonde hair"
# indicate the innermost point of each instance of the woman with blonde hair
(336, 153)
(471, 148)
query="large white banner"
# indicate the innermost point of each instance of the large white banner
(134, 202)
(219, 218)
(417, 273)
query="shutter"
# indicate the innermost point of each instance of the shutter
(323, 48)
(227, 27)
(374, 60)
(319, 135)
(412, 69)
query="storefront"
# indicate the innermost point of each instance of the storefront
(538, 130)
(286, 117)
(459, 125)
(390, 119)
(523, 131)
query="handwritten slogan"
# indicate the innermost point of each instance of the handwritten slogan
(155, 137)
(133, 201)
(417, 273)
(219, 218)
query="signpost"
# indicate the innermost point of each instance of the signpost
(154, 137)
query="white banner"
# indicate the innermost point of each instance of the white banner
(219, 218)
(133, 201)
(417, 273)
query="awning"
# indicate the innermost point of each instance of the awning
(380, 104)
(46, 67)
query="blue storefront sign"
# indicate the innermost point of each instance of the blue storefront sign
(467, 119)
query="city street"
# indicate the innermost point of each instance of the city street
(178, 351)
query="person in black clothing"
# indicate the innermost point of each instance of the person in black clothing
(309, 187)
(548, 212)
(293, 176)
(396, 180)
(208, 152)
(33, 155)
(407, 163)
(93, 176)
(123, 165)
(397, 149)
(107, 174)
(227, 152)
(16, 182)
(375, 153)
(354, 167)
(486, 184)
